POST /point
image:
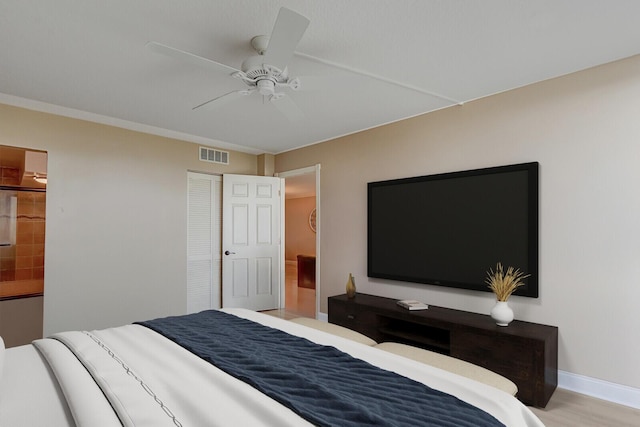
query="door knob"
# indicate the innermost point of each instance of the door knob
(229, 253)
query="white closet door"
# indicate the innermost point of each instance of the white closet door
(204, 227)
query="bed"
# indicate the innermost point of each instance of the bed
(144, 375)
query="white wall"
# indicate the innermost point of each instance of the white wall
(115, 248)
(584, 129)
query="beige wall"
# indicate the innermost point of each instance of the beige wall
(584, 129)
(21, 320)
(299, 238)
(116, 218)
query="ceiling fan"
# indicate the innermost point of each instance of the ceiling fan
(264, 73)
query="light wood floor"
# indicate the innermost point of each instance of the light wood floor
(299, 302)
(569, 409)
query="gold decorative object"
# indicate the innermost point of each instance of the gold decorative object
(351, 287)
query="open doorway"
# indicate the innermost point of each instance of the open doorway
(23, 182)
(301, 242)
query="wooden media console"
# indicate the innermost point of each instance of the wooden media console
(524, 352)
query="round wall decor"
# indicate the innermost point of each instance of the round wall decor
(312, 220)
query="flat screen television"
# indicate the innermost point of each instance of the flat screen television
(449, 229)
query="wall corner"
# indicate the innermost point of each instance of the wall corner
(266, 164)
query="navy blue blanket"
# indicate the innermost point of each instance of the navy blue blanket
(322, 384)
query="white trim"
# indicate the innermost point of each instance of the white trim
(605, 390)
(58, 110)
(298, 172)
(379, 77)
(283, 261)
(323, 316)
(303, 171)
(318, 234)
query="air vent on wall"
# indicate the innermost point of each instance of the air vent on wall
(214, 156)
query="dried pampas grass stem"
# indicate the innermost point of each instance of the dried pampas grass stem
(504, 283)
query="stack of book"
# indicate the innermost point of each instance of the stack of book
(411, 304)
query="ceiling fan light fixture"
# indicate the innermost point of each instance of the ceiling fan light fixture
(266, 87)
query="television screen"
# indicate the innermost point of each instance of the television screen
(450, 229)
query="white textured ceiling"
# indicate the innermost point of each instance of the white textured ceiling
(87, 58)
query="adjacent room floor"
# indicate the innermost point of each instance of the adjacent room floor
(299, 302)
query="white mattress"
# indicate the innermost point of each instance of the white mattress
(192, 390)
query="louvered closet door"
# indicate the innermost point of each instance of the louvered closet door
(204, 226)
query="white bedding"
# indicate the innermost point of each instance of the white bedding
(166, 381)
(27, 383)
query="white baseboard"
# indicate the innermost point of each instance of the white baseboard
(323, 316)
(605, 390)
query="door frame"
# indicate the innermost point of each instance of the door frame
(288, 174)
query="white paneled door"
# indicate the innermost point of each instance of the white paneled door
(251, 241)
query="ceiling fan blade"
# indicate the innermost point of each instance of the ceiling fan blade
(224, 99)
(287, 32)
(286, 106)
(188, 57)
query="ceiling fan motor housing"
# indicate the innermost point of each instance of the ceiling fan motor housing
(254, 68)
(262, 73)
(263, 76)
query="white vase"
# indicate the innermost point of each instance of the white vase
(502, 313)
